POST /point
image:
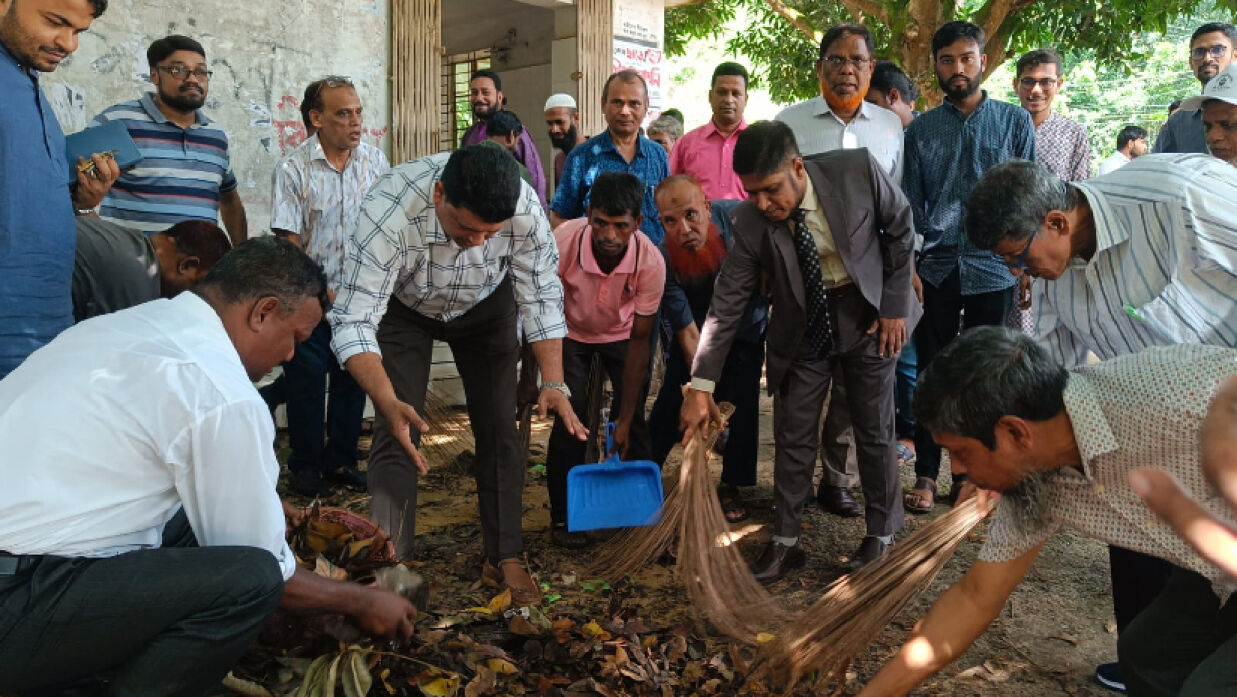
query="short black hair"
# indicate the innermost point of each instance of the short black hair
(493, 76)
(1038, 57)
(729, 68)
(624, 76)
(1212, 27)
(310, 91)
(984, 374)
(313, 93)
(888, 76)
(842, 31)
(1130, 133)
(953, 31)
(98, 7)
(264, 267)
(764, 148)
(503, 123)
(617, 193)
(483, 179)
(1173, 106)
(162, 48)
(201, 239)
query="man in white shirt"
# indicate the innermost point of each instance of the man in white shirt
(841, 118)
(1131, 143)
(124, 444)
(1062, 446)
(316, 196)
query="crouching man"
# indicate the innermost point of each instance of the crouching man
(1061, 445)
(142, 536)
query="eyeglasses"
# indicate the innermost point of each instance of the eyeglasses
(1044, 83)
(1021, 263)
(1215, 51)
(315, 102)
(180, 72)
(839, 62)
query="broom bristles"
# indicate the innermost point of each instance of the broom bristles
(856, 608)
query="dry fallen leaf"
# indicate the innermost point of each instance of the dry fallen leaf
(1066, 637)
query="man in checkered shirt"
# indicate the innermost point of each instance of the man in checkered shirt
(453, 247)
(1061, 446)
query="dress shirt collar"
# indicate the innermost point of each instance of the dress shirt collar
(9, 58)
(1109, 231)
(588, 262)
(1083, 406)
(710, 129)
(152, 110)
(317, 153)
(607, 143)
(809, 202)
(821, 108)
(983, 104)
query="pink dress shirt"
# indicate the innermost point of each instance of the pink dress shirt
(709, 157)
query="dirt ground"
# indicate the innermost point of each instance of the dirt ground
(1056, 627)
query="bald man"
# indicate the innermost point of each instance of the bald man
(697, 240)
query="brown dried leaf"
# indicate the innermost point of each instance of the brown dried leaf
(482, 683)
(522, 627)
(324, 567)
(1066, 637)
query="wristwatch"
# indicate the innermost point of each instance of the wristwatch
(560, 386)
(86, 211)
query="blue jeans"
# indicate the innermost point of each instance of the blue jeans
(323, 437)
(906, 375)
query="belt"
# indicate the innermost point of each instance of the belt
(842, 291)
(11, 565)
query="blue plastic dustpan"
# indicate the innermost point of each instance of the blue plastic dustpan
(613, 493)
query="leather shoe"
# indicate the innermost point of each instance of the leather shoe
(839, 501)
(869, 551)
(308, 483)
(350, 478)
(776, 560)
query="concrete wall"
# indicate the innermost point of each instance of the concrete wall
(262, 54)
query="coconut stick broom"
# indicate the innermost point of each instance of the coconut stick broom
(856, 608)
(634, 548)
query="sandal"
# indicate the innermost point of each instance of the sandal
(560, 536)
(510, 575)
(732, 502)
(955, 489)
(922, 497)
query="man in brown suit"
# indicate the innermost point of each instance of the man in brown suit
(831, 238)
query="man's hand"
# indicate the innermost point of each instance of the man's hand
(385, 614)
(622, 438)
(551, 400)
(293, 515)
(1024, 292)
(699, 410)
(401, 417)
(917, 286)
(891, 336)
(95, 181)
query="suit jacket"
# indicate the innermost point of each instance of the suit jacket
(870, 220)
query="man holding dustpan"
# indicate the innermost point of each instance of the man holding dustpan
(613, 276)
(832, 236)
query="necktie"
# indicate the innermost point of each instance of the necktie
(818, 332)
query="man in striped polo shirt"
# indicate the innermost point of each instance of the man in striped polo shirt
(1145, 256)
(185, 172)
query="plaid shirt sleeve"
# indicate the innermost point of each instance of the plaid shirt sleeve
(534, 270)
(377, 251)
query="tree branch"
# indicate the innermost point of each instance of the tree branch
(870, 8)
(795, 18)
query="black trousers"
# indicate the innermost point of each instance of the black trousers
(1183, 644)
(167, 621)
(565, 451)
(945, 308)
(739, 385)
(483, 342)
(311, 416)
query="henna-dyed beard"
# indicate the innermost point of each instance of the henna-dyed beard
(699, 263)
(837, 102)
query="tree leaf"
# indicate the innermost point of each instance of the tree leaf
(355, 676)
(439, 687)
(501, 666)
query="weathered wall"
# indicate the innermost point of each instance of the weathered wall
(262, 54)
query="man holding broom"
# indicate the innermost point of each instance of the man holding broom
(1061, 446)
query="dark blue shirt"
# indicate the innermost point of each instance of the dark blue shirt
(598, 155)
(1182, 133)
(946, 153)
(37, 235)
(686, 301)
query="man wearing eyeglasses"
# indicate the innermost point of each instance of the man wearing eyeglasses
(840, 118)
(1211, 50)
(316, 195)
(947, 150)
(1061, 144)
(185, 172)
(1140, 257)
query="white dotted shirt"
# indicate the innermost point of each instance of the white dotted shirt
(1137, 410)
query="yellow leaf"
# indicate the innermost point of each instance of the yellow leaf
(594, 630)
(480, 610)
(439, 687)
(355, 677)
(500, 602)
(501, 666)
(765, 637)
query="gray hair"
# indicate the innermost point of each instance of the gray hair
(983, 375)
(668, 125)
(1011, 201)
(267, 267)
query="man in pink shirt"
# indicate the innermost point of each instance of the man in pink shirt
(707, 153)
(613, 277)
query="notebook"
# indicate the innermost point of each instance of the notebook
(111, 136)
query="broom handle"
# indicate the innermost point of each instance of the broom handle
(715, 428)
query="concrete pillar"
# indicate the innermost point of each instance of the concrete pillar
(595, 43)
